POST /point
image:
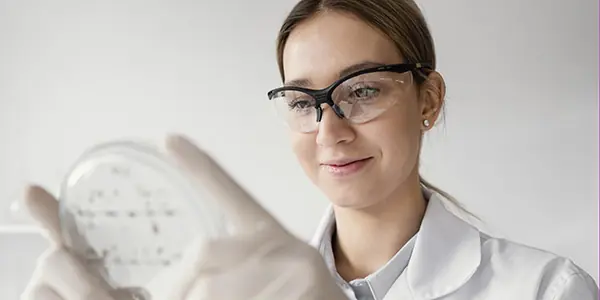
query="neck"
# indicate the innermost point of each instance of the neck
(367, 239)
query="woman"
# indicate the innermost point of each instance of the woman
(360, 90)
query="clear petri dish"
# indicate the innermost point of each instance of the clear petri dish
(130, 213)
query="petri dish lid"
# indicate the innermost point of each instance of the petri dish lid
(130, 213)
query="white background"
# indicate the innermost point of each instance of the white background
(519, 146)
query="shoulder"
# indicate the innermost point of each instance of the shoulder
(556, 277)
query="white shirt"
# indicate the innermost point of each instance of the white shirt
(452, 260)
(374, 286)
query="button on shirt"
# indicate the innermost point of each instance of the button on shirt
(374, 286)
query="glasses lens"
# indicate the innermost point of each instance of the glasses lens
(297, 109)
(364, 97)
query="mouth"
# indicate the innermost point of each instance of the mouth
(346, 167)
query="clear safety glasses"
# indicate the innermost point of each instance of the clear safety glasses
(359, 97)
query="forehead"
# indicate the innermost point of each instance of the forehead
(319, 49)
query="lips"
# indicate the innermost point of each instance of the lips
(345, 167)
(343, 162)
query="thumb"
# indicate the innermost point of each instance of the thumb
(43, 208)
(240, 207)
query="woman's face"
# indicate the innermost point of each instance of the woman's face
(387, 147)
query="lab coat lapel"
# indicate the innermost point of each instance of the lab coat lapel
(323, 229)
(447, 253)
(399, 290)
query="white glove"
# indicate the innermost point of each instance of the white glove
(261, 260)
(59, 275)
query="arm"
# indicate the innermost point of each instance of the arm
(576, 284)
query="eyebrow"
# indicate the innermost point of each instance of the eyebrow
(345, 72)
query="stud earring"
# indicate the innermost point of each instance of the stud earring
(426, 123)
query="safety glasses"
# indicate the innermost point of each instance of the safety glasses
(358, 97)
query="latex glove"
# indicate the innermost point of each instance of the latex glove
(58, 275)
(261, 260)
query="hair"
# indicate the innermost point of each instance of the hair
(401, 20)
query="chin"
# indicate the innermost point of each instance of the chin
(357, 192)
(357, 204)
(351, 198)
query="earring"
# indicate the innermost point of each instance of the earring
(426, 123)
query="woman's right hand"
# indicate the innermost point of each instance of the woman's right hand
(58, 274)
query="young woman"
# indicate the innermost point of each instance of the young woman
(360, 91)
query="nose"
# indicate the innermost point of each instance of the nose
(333, 130)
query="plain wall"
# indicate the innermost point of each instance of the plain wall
(519, 144)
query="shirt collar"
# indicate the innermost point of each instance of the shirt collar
(446, 252)
(376, 284)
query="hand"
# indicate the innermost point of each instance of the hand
(58, 275)
(261, 260)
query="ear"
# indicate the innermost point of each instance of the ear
(431, 98)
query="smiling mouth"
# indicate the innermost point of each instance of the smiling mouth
(341, 169)
(343, 164)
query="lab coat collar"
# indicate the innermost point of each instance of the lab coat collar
(447, 252)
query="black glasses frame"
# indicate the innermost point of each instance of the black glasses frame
(325, 95)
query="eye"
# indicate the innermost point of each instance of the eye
(299, 104)
(363, 92)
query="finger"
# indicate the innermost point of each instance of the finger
(240, 207)
(225, 254)
(41, 292)
(211, 258)
(43, 207)
(129, 294)
(279, 276)
(66, 275)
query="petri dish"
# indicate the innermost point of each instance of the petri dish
(130, 213)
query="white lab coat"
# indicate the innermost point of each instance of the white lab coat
(452, 260)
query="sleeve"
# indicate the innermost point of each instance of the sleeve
(576, 286)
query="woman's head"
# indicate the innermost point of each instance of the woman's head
(376, 117)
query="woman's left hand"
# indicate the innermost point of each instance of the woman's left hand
(260, 261)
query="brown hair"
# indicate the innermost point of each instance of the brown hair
(401, 20)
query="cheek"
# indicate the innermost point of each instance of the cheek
(304, 147)
(398, 135)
